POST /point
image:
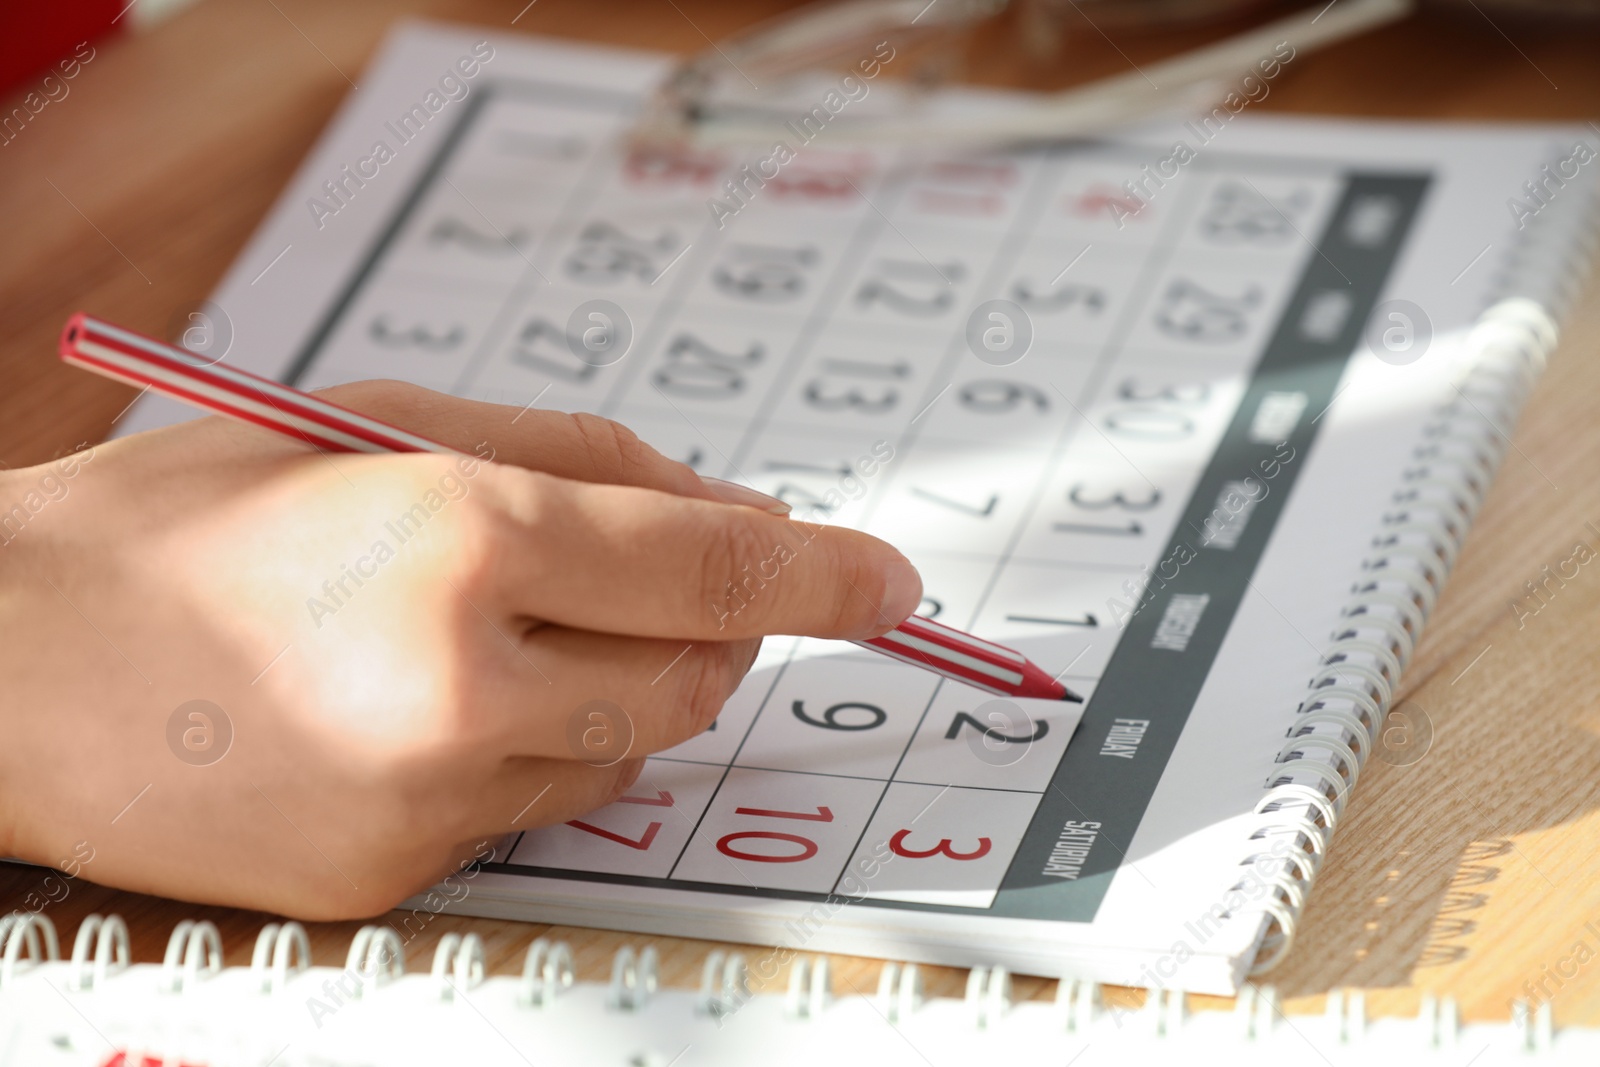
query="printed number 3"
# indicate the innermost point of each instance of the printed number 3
(945, 847)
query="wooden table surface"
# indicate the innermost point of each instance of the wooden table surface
(1470, 873)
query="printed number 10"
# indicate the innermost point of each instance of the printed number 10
(808, 848)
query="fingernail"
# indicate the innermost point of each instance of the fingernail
(902, 591)
(734, 493)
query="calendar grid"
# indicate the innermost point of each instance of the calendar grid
(1007, 485)
(813, 321)
(465, 122)
(1016, 236)
(1136, 307)
(694, 831)
(820, 774)
(868, 231)
(661, 320)
(1047, 173)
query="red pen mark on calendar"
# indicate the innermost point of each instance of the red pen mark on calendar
(642, 842)
(945, 847)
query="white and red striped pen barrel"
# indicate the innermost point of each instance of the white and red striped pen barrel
(954, 654)
(117, 353)
(143, 361)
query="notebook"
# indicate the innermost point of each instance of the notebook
(93, 1010)
(1196, 417)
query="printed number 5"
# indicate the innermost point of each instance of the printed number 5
(943, 848)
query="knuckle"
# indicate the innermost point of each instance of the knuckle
(729, 555)
(711, 680)
(517, 507)
(612, 447)
(854, 591)
(478, 537)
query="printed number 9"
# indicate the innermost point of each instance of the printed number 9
(830, 721)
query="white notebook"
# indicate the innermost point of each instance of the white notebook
(92, 1010)
(1209, 457)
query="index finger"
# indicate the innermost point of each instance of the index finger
(632, 561)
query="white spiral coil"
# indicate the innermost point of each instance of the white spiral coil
(633, 978)
(1339, 725)
(988, 995)
(109, 938)
(547, 972)
(30, 931)
(809, 988)
(194, 953)
(281, 952)
(899, 990)
(724, 984)
(1077, 1014)
(458, 965)
(375, 952)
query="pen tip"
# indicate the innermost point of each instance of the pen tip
(1070, 697)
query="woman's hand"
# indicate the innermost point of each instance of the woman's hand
(390, 651)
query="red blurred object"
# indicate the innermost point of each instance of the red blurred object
(33, 36)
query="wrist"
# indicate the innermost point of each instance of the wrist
(15, 576)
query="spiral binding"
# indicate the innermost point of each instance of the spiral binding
(100, 951)
(1439, 494)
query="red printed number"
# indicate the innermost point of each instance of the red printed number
(641, 844)
(822, 815)
(808, 848)
(943, 848)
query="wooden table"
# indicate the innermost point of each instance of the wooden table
(1468, 873)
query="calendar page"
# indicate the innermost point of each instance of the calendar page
(1114, 399)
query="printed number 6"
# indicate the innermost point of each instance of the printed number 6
(943, 848)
